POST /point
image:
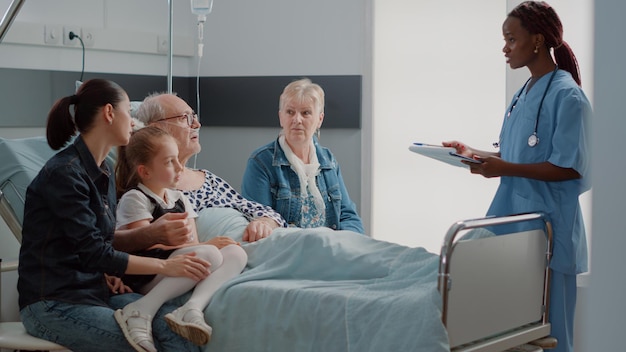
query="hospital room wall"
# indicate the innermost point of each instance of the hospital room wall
(443, 77)
(241, 38)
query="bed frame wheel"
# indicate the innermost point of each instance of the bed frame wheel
(546, 342)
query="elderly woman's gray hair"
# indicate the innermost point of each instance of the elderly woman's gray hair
(303, 90)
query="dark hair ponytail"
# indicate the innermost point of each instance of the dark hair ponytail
(538, 17)
(60, 126)
(88, 100)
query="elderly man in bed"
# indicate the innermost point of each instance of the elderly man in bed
(203, 188)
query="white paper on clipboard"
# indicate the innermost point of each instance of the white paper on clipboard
(443, 154)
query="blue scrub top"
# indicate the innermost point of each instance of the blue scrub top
(563, 141)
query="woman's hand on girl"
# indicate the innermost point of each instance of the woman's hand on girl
(187, 265)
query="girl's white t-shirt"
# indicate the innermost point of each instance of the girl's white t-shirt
(135, 206)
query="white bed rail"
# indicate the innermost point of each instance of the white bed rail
(492, 275)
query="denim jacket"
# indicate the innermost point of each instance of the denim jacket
(270, 180)
(69, 220)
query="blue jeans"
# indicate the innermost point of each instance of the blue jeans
(93, 328)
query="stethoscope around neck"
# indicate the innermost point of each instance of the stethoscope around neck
(533, 140)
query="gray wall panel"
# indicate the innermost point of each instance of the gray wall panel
(224, 101)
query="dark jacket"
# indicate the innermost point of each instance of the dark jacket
(69, 221)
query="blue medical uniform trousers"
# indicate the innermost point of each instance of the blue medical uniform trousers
(562, 308)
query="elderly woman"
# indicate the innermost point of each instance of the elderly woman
(294, 174)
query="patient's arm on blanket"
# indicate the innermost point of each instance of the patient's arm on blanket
(259, 228)
(171, 229)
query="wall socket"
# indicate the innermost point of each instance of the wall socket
(52, 34)
(163, 44)
(87, 35)
(66, 35)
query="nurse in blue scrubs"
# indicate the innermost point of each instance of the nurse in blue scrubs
(543, 158)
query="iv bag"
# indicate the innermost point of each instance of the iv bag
(201, 7)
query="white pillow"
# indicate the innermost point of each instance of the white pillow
(213, 222)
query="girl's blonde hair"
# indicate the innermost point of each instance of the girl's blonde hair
(144, 144)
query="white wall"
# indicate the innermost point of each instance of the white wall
(437, 75)
(442, 77)
(284, 37)
(120, 28)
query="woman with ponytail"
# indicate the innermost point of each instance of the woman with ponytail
(67, 262)
(543, 161)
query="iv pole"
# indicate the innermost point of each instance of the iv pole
(170, 51)
(8, 17)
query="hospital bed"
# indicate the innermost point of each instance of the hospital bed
(323, 290)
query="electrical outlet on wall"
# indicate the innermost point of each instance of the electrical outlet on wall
(66, 35)
(87, 35)
(163, 44)
(52, 34)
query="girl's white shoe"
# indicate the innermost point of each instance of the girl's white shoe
(189, 323)
(137, 329)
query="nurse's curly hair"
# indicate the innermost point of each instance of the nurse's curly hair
(538, 17)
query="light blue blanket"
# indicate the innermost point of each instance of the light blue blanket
(323, 290)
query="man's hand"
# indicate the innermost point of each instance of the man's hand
(172, 229)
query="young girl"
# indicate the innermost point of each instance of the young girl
(147, 173)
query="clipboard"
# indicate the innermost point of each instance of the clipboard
(447, 155)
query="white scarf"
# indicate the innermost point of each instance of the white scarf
(306, 172)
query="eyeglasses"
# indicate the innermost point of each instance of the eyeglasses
(190, 118)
